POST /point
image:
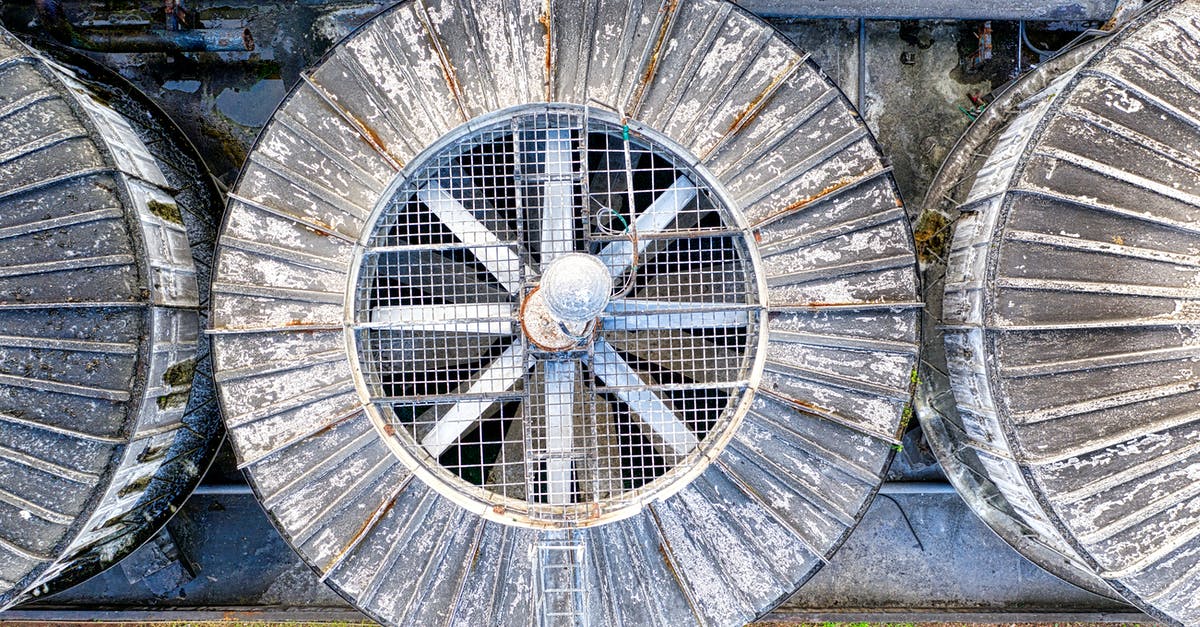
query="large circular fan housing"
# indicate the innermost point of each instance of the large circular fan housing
(1070, 316)
(107, 417)
(565, 311)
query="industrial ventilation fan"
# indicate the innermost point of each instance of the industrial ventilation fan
(574, 312)
(107, 412)
(1070, 313)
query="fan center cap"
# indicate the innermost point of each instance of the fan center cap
(577, 287)
(561, 312)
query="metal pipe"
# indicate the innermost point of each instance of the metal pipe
(223, 489)
(1028, 10)
(1029, 44)
(55, 21)
(862, 68)
(1020, 45)
(917, 487)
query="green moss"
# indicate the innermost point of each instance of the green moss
(173, 400)
(180, 373)
(932, 235)
(166, 211)
(136, 486)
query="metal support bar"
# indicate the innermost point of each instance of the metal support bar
(1028, 10)
(862, 67)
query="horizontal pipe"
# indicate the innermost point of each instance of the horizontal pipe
(156, 40)
(1027, 10)
(223, 489)
(917, 487)
(54, 19)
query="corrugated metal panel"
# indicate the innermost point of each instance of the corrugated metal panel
(1068, 306)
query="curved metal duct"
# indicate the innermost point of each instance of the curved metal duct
(106, 413)
(565, 312)
(1069, 316)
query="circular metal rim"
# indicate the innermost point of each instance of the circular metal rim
(997, 114)
(183, 143)
(510, 511)
(52, 62)
(1083, 57)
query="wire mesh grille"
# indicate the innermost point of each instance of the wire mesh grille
(564, 435)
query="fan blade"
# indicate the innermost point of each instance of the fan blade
(558, 196)
(560, 429)
(648, 406)
(629, 314)
(618, 256)
(497, 379)
(480, 318)
(498, 257)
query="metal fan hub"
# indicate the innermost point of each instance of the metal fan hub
(578, 287)
(548, 332)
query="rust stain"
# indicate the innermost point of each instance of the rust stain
(809, 406)
(371, 133)
(804, 405)
(448, 71)
(1118, 240)
(751, 111)
(367, 133)
(389, 429)
(666, 558)
(499, 510)
(808, 200)
(544, 19)
(375, 139)
(303, 327)
(362, 531)
(818, 305)
(648, 73)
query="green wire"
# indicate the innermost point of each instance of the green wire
(626, 224)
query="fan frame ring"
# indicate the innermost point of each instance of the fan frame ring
(496, 507)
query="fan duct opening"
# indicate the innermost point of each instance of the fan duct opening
(482, 383)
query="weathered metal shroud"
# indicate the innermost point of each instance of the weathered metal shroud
(1070, 319)
(107, 417)
(755, 112)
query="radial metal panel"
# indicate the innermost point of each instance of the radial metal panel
(1068, 312)
(423, 437)
(103, 432)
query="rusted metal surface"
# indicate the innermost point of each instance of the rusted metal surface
(839, 331)
(1068, 319)
(103, 430)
